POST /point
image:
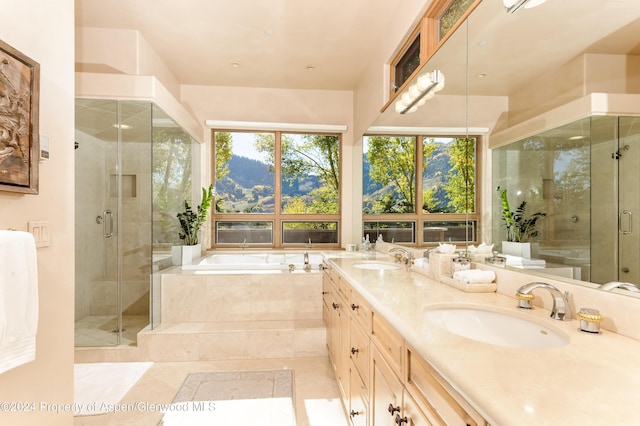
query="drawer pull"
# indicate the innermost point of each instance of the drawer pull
(393, 409)
(335, 305)
(354, 306)
(354, 351)
(400, 420)
(354, 413)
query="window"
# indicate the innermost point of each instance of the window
(440, 20)
(276, 189)
(452, 15)
(440, 206)
(407, 64)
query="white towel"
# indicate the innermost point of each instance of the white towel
(18, 299)
(474, 276)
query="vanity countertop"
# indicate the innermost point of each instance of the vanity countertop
(592, 380)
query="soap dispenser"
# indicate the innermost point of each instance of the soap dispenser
(461, 263)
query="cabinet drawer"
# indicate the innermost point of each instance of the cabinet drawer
(361, 311)
(439, 398)
(388, 341)
(344, 288)
(359, 350)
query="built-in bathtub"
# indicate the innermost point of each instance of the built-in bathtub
(255, 262)
(240, 305)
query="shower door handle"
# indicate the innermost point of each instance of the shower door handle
(628, 228)
(107, 233)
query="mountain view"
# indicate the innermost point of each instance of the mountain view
(249, 184)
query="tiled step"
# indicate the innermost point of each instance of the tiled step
(208, 341)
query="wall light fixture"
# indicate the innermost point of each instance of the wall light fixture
(416, 95)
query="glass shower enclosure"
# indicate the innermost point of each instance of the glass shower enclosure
(132, 171)
(585, 176)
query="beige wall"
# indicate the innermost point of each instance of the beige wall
(282, 106)
(44, 32)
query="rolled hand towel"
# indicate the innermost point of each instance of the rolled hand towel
(474, 276)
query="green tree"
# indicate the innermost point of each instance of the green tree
(392, 162)
(460, 185)
(429, 201)
(308, 155)
(223, 153)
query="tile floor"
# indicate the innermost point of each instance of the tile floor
(98, 330)
(316, 394)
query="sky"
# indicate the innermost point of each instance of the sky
(243, 146)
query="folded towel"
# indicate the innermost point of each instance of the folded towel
(446, 248)
(474, 276)
(18, 299)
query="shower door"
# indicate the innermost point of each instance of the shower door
(628, 154)
(615, 199)
(113, 220)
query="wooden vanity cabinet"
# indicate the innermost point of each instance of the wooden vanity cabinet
(337, 323)
(386, 391)
(359, 326)
(383, 380)
(435, 397)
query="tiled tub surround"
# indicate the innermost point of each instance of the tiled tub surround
(218, 315)
(587, 381)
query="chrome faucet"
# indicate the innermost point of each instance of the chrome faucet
(428, 251)
(561, 309)
(401, 254)
(617, 284)
(307, 265)
(243, 245)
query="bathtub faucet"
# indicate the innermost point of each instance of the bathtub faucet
(243, 245)
(307, 265)
(309, 245)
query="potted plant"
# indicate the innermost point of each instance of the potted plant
(521, 229)
(190, 223)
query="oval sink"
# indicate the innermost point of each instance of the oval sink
(379, 266)
(496, 328)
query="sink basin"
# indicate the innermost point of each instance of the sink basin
(496, 328)
(379, 266)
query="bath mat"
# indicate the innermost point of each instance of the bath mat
(242, 397)
(100, 385)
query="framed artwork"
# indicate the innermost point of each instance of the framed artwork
(19, 137)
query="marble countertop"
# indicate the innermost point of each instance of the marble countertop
(592, 380)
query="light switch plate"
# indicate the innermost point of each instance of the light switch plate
(40, 231)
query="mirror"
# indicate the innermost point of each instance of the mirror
(527, 74)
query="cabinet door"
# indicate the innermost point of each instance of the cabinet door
(358, 402)
(326, 299)
(386, 392)
(359, 349)
(340, 344)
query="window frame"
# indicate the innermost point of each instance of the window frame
(430, 41)
(418, 217)
(277, 217)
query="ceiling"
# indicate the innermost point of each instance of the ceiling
(328, 44)
(298, 44)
